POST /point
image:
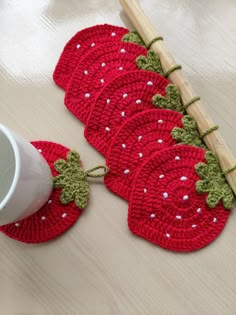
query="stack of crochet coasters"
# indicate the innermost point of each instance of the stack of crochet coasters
(178, 197)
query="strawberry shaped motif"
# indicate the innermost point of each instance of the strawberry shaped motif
(188, 134)
(95, 71)
(165, 207)
(150, 63)
(135, 141)
(171, 101)
(53, 218)
(122, 98)
(80, 44)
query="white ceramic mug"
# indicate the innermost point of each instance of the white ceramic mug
(25, 178)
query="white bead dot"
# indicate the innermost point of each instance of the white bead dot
(194, 225)
(165, 195)
(177, 158)
(126, 171)
(138, 101)
(125, 95)
(122, 50)
(149, 83)
(140, 138)
(185, 197)
(199, 210)
(160, 121)
(107, 129)
(86, 72)
(93, 44)
(168, 235)
(64, 215)
(102, 81)
(108, 101)
(40, 150)
(152, 215)
(145, 190)
(123, 145)
(103, 64)
(161, 176)
(178, 217)
(87, 95)
(140, 154)
(113, 34)
(49, 201)
(78, 46)
(183, 178)
(214, 220)
(123, 114)
(43, 218)
(120, 68)
(159, 140)
(17, 224)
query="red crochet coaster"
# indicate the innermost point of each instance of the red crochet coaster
(135, 141)
(164, 206)
(97, 69)
(53, 218)
(79, 45)
(123, 97)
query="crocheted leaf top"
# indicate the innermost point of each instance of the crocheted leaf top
(171, 101)
(189, 134)
(72, 180)
(213, 182)
(150, 63)
(133, 37)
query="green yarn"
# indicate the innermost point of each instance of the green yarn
(154, 40)
(213, 182)
(72, 180)
(171, 101)
(208, 131)
(150, 63)
(189, 134)
(172, 69)
(133, 37)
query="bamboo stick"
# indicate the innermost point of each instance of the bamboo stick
(214, 141)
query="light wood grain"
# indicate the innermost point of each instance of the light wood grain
(99, 267)
(214, 140)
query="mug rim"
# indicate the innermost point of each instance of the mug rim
(9, 136)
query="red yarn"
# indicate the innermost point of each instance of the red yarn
(122, 98)
(80, 44)
(134, 143)
(97, 69)
(53, 218)
(171, 213)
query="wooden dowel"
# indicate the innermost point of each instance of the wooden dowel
(214, 141)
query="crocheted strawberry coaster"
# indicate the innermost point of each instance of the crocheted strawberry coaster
(134, 143)
(83, 41)
(123, 97)
(53, 218)
(97, 69)
(164, 206)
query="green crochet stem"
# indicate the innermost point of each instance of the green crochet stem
(213, 182)
(208, 131)
(229, 170)
(193, 100)
(172, 69)
(154, 40)
(72, 179)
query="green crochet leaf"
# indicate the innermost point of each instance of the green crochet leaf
(133, 37)
(150, 63)
(171, 101)
(72, 180)
(189, 134)
(213, 182)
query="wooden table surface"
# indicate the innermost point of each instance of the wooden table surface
(99, 267)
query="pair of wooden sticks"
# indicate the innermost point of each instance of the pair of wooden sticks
(213, 140)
